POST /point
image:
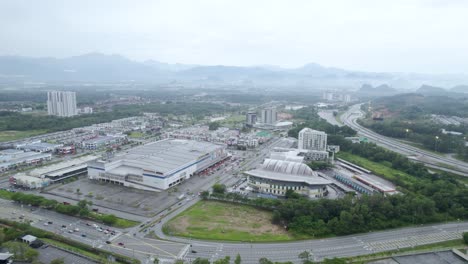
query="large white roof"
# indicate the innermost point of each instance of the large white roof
(287, 167)
(62, 167)
(287, 171)
(166, 155)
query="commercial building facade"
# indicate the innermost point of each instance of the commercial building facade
(61, 103)
(12, 159)
(276, 177)
(158, 165)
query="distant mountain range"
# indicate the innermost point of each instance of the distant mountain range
(99, 68)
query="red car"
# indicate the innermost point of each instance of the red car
(121, 244)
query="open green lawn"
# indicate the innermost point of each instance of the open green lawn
(214, 220)
(14, 135)
(383, 169)
(232, 120)
(136, 134)
(125, 223)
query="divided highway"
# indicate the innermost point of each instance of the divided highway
(419, 155)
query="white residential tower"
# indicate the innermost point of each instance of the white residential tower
(61, 103)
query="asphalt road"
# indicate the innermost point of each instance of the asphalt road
(40, 218)
(419, 155)
(170, 248)
(347, 246)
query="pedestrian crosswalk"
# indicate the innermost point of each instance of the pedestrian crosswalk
(412, 241)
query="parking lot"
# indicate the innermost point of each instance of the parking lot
(49, 253)
(67, 226)
(129, 200)
(126, 199)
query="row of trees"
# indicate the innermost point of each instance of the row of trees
(409, 118)
(80, 209)
(425, 133)
(312, 120)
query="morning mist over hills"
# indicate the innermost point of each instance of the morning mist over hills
(99, 68)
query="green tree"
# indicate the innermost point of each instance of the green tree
(109, 219)
(84, 203)
(2, 236)
(305, 256)
(265, 261)
(21, 251)
(219, 188)
(156, 260)
(31, 254)
(224, 260)
(238, 259)
(213, 125)
(204, 194)
(291, 194)
(58, 261)
(334, 261)
(201, 261)
(465, 237)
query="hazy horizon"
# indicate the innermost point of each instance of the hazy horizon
(388, 36)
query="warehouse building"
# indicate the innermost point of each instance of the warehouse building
(277, 176)
(64, 170)
(158, 165)
(44, 176)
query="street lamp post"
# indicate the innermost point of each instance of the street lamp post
(435, 144)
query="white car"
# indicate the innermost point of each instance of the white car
(46, 224)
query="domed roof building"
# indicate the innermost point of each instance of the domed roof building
(277, 176)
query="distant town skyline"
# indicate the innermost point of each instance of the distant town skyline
(384, 36)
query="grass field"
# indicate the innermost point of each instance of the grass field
(125, 223)
(14, 135)
(233, 120)
(213, 220)
(383, 169)
(136, 134)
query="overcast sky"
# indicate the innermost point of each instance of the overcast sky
(373, 35)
